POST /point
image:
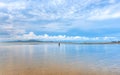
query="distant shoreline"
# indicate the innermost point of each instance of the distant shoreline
(37, 42)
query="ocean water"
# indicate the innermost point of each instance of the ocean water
(55, 59)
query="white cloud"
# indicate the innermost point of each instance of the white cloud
(108, 12)
(3, 14)
(46, 37)
(112, 1)
(62, 9)
(57, 2)
(18, 5)
(54, 27)
(12, 10)
(2, 4)
(10, 30)
(24, 14)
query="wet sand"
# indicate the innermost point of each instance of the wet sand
(54, 70)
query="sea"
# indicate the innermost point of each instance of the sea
(59, 59)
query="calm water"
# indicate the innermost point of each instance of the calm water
(96, 58)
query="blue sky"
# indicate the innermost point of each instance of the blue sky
(69, 18)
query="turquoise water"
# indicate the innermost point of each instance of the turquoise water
(95, 57)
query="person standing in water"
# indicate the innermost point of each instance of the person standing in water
(59, 43)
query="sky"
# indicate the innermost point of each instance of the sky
(60, 19)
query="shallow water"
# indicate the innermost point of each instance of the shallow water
(52, 59)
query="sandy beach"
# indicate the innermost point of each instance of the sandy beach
(53, 70)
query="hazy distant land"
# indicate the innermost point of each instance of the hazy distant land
(65, 42)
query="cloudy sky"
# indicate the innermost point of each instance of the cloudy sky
(86, 19)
